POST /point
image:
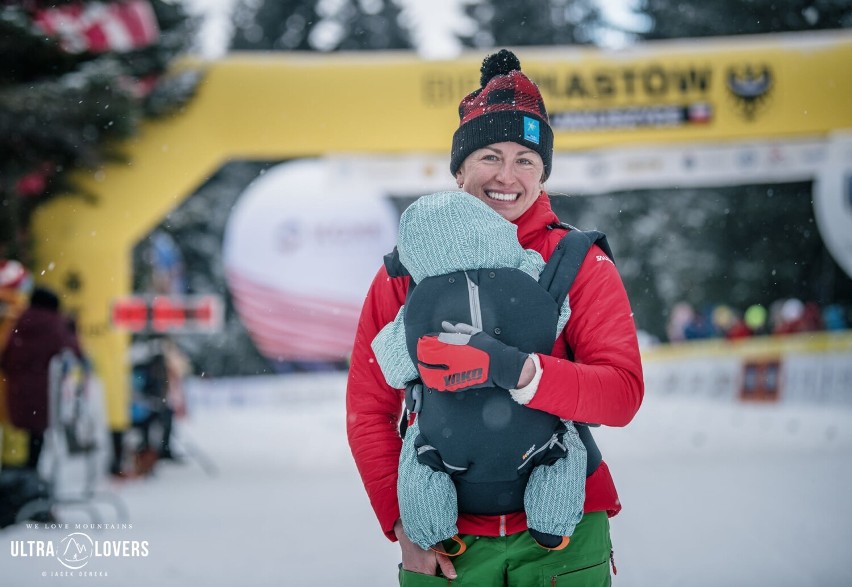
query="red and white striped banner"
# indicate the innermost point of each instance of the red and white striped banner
(99, 27)
(289, 326)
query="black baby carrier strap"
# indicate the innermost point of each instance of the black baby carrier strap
(556, 277)
(482, 438)
(564, 263)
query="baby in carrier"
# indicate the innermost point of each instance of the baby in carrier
(477, 451)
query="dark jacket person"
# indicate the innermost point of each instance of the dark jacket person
(40, 333)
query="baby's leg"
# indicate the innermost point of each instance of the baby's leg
(554, 496)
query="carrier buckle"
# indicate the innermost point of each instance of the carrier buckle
(413, 400)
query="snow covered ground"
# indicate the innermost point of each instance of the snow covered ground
(714, 493)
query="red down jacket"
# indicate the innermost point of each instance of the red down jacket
(602, 385)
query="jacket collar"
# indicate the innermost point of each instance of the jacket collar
(532, 224)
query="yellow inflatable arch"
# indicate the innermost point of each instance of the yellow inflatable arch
(280, 106)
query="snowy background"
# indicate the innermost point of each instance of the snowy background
(436, 25)
(714, 493)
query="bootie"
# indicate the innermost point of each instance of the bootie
(549, 541)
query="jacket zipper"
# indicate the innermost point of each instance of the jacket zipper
(503, 525)
(473, 298)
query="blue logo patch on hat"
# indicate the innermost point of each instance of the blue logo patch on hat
(531, 130)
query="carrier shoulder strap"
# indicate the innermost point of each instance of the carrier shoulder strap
(556, 277)
(394, 266)
(562, 267)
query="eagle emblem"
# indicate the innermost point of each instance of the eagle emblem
(750, 86)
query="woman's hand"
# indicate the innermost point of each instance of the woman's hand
(417, 560)
(527, 374)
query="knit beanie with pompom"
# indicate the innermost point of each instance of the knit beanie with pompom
(508, 107)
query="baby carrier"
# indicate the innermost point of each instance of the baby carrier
(482, 438)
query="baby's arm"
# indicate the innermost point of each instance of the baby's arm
(392, 353)
(428, 504)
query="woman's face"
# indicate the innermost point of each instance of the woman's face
(506, 176)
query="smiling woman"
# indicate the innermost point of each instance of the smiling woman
(501, 153)
(506, 176)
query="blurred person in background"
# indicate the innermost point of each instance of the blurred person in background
(680, 317)
(755, 318)
(15, 289)
(502, 154)
(40, 334)
(700, 326)
(834, 317)
(794, 316)
(729, 323)
(159, 370)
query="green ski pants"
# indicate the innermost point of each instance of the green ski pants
(517, 561)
